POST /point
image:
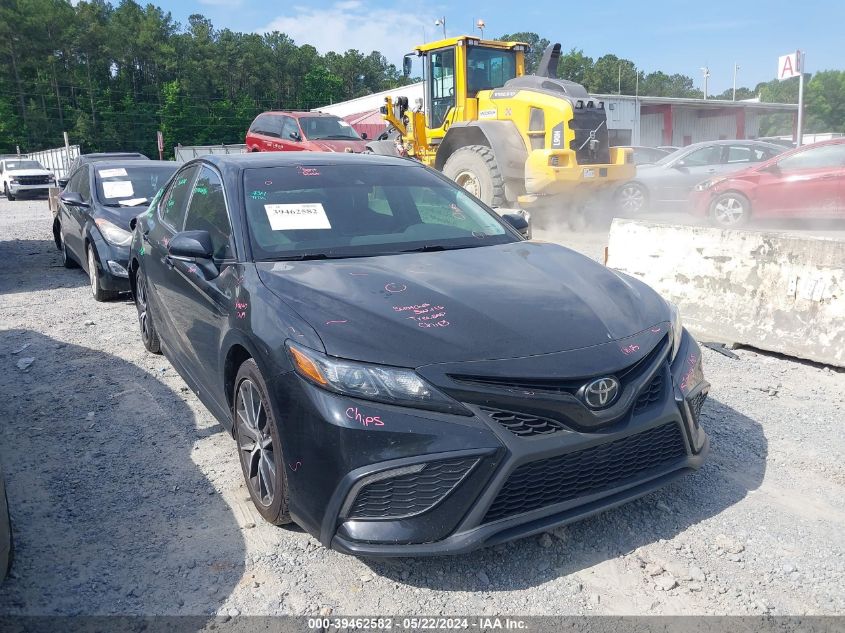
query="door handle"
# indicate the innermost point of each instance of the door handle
(827, 177)
(168, 261)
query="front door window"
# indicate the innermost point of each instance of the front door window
(442, 73)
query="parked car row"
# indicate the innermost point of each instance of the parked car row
(351, 320)
(730, 182)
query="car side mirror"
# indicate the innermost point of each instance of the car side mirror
(62, 182)
(295, 136)
(364, 135)
(774, 168)
(194, 247)
(72, 199)
(517, 222)
(679, 165)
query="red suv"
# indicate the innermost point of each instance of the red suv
(806, 182)
(302, 131)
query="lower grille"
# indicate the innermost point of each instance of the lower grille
(695, 406)
(412, 493)
(651, 394)
(565, 477)
(523, 424)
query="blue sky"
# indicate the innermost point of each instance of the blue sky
(657, 35)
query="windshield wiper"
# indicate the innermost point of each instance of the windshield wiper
(433, 248)
(312, 256)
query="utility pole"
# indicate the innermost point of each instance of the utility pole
(799, 131)
(619, 81)
(736, 68)
(480, 24)
(705, 71)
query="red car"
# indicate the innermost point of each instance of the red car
(806, 182)
(302, 131)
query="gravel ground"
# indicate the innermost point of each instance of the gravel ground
(127, 498)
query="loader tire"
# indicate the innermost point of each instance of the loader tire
(475, 168)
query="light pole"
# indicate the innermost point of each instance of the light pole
(441, 22)
(705, 71)
(480, 25)
(736, 68)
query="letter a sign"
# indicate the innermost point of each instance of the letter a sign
(789, 66)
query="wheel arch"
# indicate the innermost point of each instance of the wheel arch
(502, 137)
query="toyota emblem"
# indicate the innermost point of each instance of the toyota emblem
(601, 392)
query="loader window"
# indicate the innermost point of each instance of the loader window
(442, 73)
(488, 68)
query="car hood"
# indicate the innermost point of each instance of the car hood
(495, 302)
(29, 172)
(356, 146)
(119, 216)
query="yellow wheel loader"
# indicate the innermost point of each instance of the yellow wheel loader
(509, 138)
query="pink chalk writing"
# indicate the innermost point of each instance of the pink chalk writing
(268, 182)
(393, 287)
(192, 268)
(240, 308)
(630, 349)
(330, 322)
(354, 414)
(685, 382)
(295, 467)
(425, 315)
(657, 329)
(308, 171)
(241, 315)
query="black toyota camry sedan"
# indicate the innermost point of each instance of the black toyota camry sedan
(91, 227)
(402, 372)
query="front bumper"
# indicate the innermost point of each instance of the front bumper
(557, 171)
(112, 263)
(700, 201)
(17, 189)
(425, 483)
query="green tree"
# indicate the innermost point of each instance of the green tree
(538, 46)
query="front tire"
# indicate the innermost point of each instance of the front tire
(632, 197)
(9, 196)
(94, 276)
(730, 210)
(476, 169)
(149, 335)
(259, 445)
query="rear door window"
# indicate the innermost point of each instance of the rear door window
(175, 200)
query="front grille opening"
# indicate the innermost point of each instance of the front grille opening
(565, 477)
(651, 394)
(410, 494)
(523, 424)
(695, 405)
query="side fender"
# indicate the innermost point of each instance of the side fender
(502, 137)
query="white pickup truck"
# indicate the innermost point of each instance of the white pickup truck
(24, 176)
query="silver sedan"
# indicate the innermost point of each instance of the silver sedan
(669, 182)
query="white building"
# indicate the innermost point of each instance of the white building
(631, 120)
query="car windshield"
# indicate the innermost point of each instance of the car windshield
(131, 186)
(361, 210)
(327, 128)
(23, 164)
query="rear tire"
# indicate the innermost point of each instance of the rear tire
(259, 445)
(632, 198)
(730, 210)
(94, 276)
(149, 335)
(475, 168)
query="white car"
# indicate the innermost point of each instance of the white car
(24, 176)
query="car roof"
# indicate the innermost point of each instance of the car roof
(293, 159)
(135, 164)
(743, 141)
(298, 114)
(98, 156)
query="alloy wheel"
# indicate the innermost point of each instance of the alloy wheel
(255, 443)
(728, 211)
(92, 272)
(141, 305)
(632, 198)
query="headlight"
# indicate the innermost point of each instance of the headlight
(381, 383)
(13, 180)
(677, 329)
(707, 184)
(113, 234)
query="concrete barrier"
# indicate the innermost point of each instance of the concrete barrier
(775, 291)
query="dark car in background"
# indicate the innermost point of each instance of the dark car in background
(804, 183)
(667, 184)
(402, 372)
(86, 159)
(91, 228)
(302, 132)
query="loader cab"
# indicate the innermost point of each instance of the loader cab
(456, 70)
